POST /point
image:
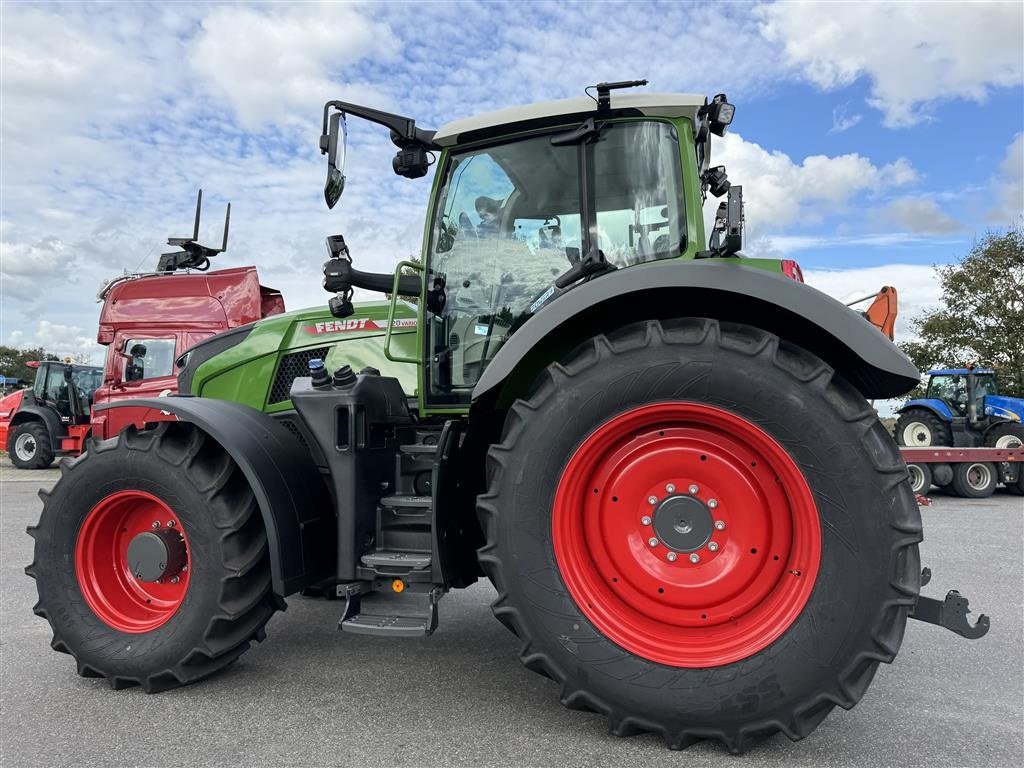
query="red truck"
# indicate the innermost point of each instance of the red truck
(147, 320)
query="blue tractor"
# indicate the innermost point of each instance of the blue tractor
(962, 408)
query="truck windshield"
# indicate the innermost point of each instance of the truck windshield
(510, 220)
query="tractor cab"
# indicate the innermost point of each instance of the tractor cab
(952, 387)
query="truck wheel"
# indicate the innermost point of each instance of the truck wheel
(29, 446)
(975, 480)
(151, 559)
(699, 530)
(1009, 434)
(920, 477)
(919, 428)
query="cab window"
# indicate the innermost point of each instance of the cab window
(147, 359)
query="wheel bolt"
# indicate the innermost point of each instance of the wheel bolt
(693, 489)
(170, 523)
(174, 579)
(713, 546)
(712, 503)
(694, 558)
(670, 488)
(646, 520)
(652, 499)
(671, 557)
(719, 525)
(653, 541)
(156, 523)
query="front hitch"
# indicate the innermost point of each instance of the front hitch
(950, 613)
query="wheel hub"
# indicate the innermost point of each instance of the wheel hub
(683, 523)
(156, 555)
(132, 561)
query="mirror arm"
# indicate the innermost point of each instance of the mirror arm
(403, 129)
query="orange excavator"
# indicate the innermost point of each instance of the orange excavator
(882, 311)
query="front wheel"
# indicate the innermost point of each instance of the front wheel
(699, 530)
(29, 446)
(151, 559)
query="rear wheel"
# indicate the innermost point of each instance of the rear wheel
(920, 428)
(974, 480)
(151, 559)
(29, 446)
(699, 530)
(920, 477)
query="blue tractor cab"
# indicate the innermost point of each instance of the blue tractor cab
(962, 407)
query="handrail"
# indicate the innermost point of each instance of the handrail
(391, 313)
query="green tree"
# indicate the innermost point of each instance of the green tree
(981, 320)
(14, 362)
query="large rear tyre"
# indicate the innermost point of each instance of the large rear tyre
(151, 559)
(29, 446)
(700, 530)
(1009, 434)
(920, 428)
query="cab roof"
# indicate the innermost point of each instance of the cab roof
(959, 371)
(513, 119)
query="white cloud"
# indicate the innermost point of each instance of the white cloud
(275, 64)
(779, 192)
(915, 54)
(842, 120)
(60, 340)
(1009, 186)
(920, 215)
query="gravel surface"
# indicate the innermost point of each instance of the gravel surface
(310, 695)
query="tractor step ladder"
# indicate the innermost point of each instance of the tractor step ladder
(389, 614)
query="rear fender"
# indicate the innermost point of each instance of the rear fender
(293, 499)
(711, 288)
(939, 408)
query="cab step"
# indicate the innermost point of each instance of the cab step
(390, 614)
(384, 559)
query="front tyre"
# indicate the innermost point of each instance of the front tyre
(29, 446)
(699, 530)
(151, 559)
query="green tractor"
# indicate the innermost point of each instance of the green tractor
(659, 452)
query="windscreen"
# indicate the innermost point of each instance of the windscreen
(514, 217)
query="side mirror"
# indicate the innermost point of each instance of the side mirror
(334, 145)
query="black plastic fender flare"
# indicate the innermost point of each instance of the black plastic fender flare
(293, 498)
(714, 288)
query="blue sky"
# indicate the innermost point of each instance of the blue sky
(872, 140)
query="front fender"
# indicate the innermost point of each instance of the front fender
(713, 288)
(29, 412)
(293, 499)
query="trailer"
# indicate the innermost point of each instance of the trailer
(972, 473)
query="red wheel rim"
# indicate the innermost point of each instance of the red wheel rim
(624, 486)
(112, 591)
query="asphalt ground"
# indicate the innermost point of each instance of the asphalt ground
(310, 695)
